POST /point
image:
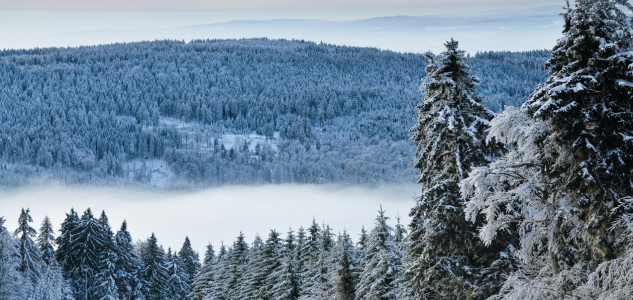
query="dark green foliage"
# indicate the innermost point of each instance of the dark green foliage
(154, 273)
(587, 103)
(445, 258)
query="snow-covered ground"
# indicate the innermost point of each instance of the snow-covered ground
(217, 214)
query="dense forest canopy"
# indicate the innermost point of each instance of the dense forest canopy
(171, 113)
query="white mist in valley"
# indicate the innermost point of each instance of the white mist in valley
(217, 214)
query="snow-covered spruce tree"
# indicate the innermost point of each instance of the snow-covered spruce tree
(154, 272)
(30, 258)
(344, 269)
(298, 257)
(569, 170)
(46, 240)
(13, 285)
(382, 261)
(316, 283)
(362, 239)
(400, 233)
(285, 278)
(217, 287)
(90, 251)
(204, 277)
(52, 285)
(613, 279)
(273, 250)
(587, 104)
(65, 241)
(309, 255)
(253, 278)
(106, 285)
(445, 258)
(190, 260)
(127, 265)
(235, 267)
(177, 286)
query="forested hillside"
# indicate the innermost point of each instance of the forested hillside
(205, 113)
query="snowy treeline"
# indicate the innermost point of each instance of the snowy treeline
(88, 261)
(104, 113)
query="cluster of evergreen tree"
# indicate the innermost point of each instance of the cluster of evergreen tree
(84, 114)
(88, 261)
(311, 264)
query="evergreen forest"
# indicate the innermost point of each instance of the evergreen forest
(524, 198)
(178, 115)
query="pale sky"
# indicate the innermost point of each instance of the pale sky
(233, 4)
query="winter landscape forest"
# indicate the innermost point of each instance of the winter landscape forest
(524, 162)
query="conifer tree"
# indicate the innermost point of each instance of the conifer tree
(345, 269)
(217, 288)
(568, 171)
(586, 103)
(298, 257)
(310, 252)
(30, 260)
(127, 265)
(445, 258)
(317, 284)
(253, 277)
(154, 272)
(284, 277)
(235, 267)
(65, 241)
(12, 282)
(190, 260)
(382, 261)
(362, 239)
(177, 286)
(203, 279)
(46, 240)
(273, 250)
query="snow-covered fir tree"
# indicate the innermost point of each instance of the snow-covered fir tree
(30, 258)
(217, 287)
(444, 257)
(154, 273)
(177, 286)
(46, 240)
(566, 177)
(586, 103)
(382, 263)
(250, 286)
(107, 288)
(285, 277)
(65, 241)
(344, 269)
(190, 260)
(127, 265)
(13, 284)
(273, 251)
(203, 279)
(316, 283)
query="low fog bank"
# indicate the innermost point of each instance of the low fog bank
(217, 214)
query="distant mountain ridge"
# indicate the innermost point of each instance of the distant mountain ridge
(509, 30)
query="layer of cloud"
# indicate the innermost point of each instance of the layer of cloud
(213, 215)
(235, 4)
